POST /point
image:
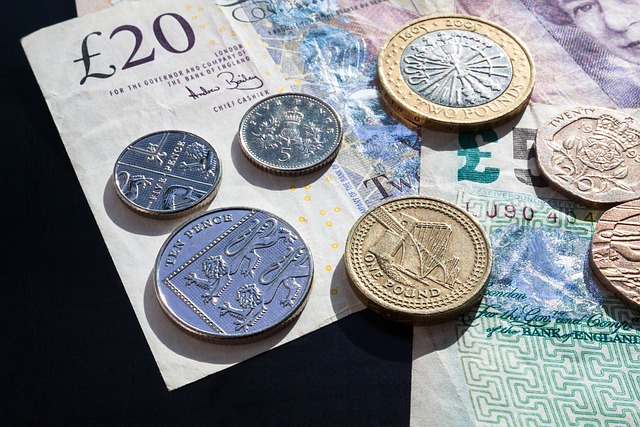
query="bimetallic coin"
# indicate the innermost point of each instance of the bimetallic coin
(456, 72)
(592, 155)
(290, 134)
(167, 174)
(615, 252)
(396, 112)
(418, 259)
(233, 275)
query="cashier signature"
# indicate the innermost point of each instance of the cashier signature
(233, 82)
(241, 82)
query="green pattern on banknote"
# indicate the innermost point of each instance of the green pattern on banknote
(472, 154)
(558, 351)
(520, 380)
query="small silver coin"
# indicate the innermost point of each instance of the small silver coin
(233, 275)
(167, 174)
(290, 134)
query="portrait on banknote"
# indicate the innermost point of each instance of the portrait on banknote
(602, 36)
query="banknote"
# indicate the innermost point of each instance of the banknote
(586, 51)
(150, 66)
(88, 6)
(548, 344)
(329, 48)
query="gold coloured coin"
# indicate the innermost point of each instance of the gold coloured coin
(455, 72)
(390, 107)
(615, 251)
(592, 155)
(418, 259)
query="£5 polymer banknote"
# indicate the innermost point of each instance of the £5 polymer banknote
(548, 344)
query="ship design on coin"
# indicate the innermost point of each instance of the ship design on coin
(455, 72)
(592, 154)
(417, 249)
(290, 134)
(233, 274)
(417, 259)
(167, 174)
(615, 251)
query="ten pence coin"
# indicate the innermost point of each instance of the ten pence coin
(615, 251)
(233, 275)
(592, 155)
(456, 72)
(418, 259)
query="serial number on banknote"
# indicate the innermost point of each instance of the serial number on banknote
(529, 213)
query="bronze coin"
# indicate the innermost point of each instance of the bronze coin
(615, 251)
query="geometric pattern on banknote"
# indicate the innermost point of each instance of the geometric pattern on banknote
(534, 381)
(567, 377)
(495, 209)
(456, 68)
(328, 52)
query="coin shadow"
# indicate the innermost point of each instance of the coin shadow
(443, 335)
(344, 301)
(478, 137)
(193, 348)
(132, 222)
(259, 178)
(367, 328)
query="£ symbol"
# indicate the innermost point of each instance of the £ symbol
(86, 60)
(472, 154)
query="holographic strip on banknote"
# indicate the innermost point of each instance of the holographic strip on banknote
(329, 49)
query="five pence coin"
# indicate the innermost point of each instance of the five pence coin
(290, 134)
(167, 174)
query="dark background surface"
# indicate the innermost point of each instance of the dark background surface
(73, 352)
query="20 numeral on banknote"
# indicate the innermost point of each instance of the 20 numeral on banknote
(136, 57)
